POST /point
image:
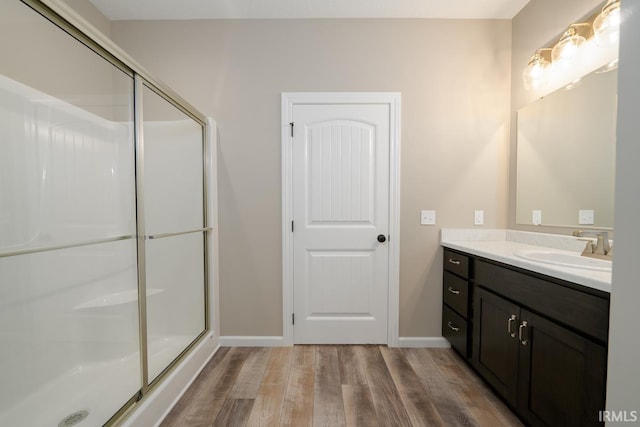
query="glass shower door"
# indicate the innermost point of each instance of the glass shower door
(174, 221)
(68, 276)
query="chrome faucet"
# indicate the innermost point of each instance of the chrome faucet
(601, 249)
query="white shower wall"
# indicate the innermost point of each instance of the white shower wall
(67, 175)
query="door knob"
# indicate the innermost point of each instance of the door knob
(382, 238)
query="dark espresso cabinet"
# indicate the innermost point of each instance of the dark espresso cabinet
(561, 378)
(496, 344)
(540, 342)
(551, 375)
(456, 297)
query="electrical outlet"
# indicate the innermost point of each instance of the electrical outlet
(478, 217)
(427, 217)
(586, 217)
(536, 217)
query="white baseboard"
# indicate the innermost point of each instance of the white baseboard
(154, 407)
(247, 341)
(423, 342)
(275, 341)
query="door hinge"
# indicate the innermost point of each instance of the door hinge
(291, 124)
(293, 318)
(292, 226)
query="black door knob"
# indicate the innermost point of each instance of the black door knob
(382, 238)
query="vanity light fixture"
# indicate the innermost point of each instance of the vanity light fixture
(534, 72)
(606, 25)
(584, 47)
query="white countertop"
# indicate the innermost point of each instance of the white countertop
(500, 245)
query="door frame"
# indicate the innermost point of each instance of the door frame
(288, 101)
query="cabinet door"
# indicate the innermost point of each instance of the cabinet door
(562, 375)
(495, 340)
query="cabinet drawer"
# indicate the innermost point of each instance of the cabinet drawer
(582, 311)
(456, 263)
(455, 293)
(454, 329)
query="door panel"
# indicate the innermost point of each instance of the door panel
(496, 350)
(561, 375)
(332, 288)
(340, 172)
(341, 205)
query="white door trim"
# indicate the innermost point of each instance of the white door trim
(288, 100)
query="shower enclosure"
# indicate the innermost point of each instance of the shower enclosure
(103, 224)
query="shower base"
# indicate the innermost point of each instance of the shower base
(100, 388)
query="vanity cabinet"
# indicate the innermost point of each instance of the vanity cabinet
(551, 375)
(540, 342)
(456, 296)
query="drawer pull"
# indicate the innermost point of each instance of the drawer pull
(510, 323)
(454, 261)
(524, 325)
(453, 291)
(453, 327)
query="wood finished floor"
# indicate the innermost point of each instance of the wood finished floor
(338, 386)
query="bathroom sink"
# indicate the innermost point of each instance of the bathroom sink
(564, 259)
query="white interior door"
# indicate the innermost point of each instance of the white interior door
(340, 174)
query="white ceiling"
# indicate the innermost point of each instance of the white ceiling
(265, 9)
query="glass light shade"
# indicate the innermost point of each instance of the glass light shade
(606, 26)
(567, 48)
(534, 74)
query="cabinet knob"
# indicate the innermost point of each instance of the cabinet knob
(454, 261)
(453, 327)
(453, 291)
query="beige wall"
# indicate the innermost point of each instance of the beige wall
(454, 79)
(44, 57)
(89, 12)
(538, 24)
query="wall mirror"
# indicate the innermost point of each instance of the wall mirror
(566, 155)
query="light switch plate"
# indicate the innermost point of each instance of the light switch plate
(427, 217)
(478, 217)
(586, 217)
(536, 217)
